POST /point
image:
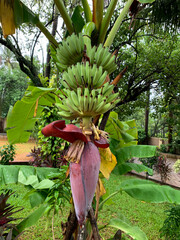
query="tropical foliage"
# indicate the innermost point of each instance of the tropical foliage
(86, 89)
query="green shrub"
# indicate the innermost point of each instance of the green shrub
(141, 136)
(171, 226)
(51, 148)
(176, 166)
(149, 162)
(7, 154)
(164, 148)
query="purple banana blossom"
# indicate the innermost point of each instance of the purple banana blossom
(83, 172)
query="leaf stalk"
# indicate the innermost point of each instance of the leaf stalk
(117, 24)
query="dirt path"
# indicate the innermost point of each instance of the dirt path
(22, 149)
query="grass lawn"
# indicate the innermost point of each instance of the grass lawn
(149, 217)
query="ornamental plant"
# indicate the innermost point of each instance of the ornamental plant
(86, 91)
(176, 166)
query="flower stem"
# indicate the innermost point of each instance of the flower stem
(87, 123)
(117, 24)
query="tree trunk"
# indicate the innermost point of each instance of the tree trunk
(48, 58)
(170, 129)
(147, 116)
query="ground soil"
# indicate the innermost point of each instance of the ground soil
(22, 149)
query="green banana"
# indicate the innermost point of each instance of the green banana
(112, 97)
(108, 90)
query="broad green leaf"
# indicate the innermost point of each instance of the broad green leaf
(37, 198)
(22, 117)
(20, 121)
(43, 95)
(149, 191)
(26, 175)
(126, 153)
(23, 14)
(124, 225)
(127, 167)
(77, 19)
(32, 219)
(44, 184)
(124, 132)
(31, 180)
(10, 175)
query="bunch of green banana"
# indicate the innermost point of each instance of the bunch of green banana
(70, 51)
(102, 57)
(83, 102)
(83, 75)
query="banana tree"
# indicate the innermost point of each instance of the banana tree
(87, 91)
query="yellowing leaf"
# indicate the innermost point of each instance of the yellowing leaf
(7, 17)
(108, 162)
(102, 188)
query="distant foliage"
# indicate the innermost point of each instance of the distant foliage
(7, 154)
(141, 136)
(13, 84)
(171, 226)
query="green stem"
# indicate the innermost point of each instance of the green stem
(65, 15)
(106, 21)
(47, 34)
(87, 123)
(87, 11)
(117, 24)
(99, 13)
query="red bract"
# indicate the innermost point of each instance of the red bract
(101, 143)
(85, 163)
(68, 132)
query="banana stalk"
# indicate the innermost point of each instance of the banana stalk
(87, 11)
(65, 15)
(47, 34)
(117, 24)
(106, 21)
(99, 13)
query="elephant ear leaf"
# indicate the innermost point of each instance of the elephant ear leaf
(22, 117)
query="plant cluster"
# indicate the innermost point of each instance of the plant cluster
(176, 166)
(7, 154)
(149, 162)
(171, 226)
(141, 136)
(162, 167)
(159, 164)
(39, 159)
(6, 212)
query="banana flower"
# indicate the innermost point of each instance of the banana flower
(84, 158)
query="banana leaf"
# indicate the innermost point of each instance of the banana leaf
(125, 225)
(22, 117)
(149, 191)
